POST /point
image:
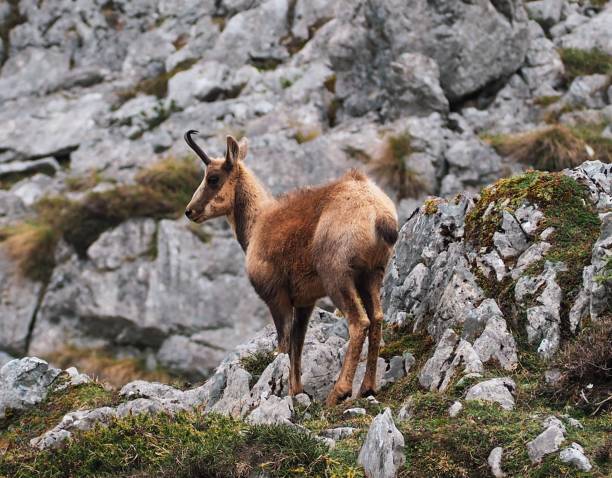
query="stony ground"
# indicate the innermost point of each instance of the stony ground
(431, 98)
(496, 361)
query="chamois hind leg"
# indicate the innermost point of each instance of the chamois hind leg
(344, 296)
(298, 333)
(369, 291)
(282, 314)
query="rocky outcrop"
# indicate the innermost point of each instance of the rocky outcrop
(318, 87)
(152, 286)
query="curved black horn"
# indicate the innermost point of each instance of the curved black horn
(192, 144)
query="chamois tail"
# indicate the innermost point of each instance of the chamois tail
(386, 228)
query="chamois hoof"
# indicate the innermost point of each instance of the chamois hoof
(335, 397)
(366, 392)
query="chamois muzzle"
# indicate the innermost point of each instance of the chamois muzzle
(192, 144)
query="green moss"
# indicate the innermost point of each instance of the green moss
(585, 62)
(256, 363)
(431, 206)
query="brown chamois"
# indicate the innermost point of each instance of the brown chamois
(334, 240)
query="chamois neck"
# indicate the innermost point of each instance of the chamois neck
(250, 198)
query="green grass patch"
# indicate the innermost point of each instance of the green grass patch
(585, 62)
(160, 191)
(185, 446)
(18, 428)
(401, 339)
(256, 363)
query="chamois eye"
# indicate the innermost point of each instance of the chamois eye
(213, 180)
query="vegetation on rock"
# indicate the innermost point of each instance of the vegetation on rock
(554, 148)
(579, 62)
(160, 191)
(391, 166)
(566, 208)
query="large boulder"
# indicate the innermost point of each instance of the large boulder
(472, 43)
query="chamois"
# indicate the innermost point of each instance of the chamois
(334, 240)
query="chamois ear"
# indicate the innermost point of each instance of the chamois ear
(244, 148)
(232, 154)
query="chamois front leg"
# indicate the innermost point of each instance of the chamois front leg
(347, 301)
(282, 314)
(298, 333)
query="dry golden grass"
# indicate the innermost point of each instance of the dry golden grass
(31, 246)
(161, 191)
(102, 366)
(551, 149)
(390, 166)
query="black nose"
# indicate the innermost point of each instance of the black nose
(189, 213)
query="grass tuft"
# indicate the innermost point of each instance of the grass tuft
(161, 191)
(551, 149)
(579, 62)
(391, 166)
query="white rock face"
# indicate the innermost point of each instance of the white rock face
(382, 453)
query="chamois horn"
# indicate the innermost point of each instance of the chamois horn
(192, 144)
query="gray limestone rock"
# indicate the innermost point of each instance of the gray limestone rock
(545, 443)
(574, 455)
(494, 461)
(24, 383)
(382, 453)
(496, 390)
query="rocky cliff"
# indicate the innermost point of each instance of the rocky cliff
(496, 361)
(432, 98)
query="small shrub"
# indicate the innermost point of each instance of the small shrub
(551, 149)
(585, 62)
(586, 368)
(392, 168)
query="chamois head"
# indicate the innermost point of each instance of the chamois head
(215, 195)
